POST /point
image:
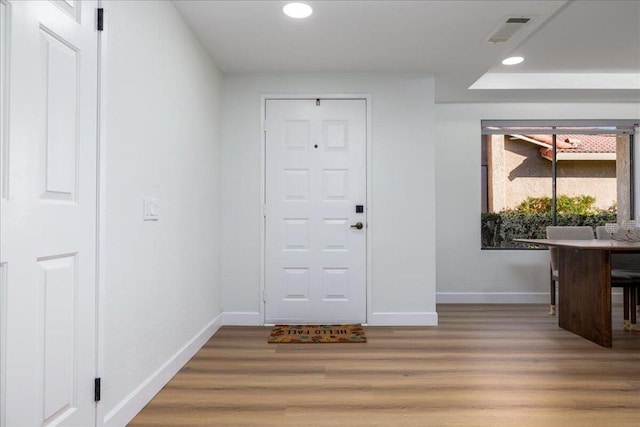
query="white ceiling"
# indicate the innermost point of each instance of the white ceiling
(597, 40)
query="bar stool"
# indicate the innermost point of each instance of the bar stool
(582, 232)
(625, 273)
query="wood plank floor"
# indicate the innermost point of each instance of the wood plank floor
(484, 365)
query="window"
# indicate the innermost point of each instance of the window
(540, 173)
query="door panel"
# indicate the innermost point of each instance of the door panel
(315, 262)
(58, 294)
(58, 172)
(48, 221)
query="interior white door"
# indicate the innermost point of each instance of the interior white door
(48, 217)
(315, 256)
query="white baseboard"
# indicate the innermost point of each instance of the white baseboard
(403, 319)
(492, 297)
(126, 410)
(503, 297)
(241, 318)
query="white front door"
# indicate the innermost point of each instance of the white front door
(315, 252)
(48, 213)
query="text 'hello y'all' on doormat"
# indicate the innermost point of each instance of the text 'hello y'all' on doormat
(317, 334)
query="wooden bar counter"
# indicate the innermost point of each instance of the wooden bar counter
(584, 290)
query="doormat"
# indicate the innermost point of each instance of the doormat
(317, 334)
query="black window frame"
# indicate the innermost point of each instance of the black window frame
(554, 128)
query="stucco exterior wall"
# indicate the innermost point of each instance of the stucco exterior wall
(525, 173)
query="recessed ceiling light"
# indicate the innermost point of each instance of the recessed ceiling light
(297, 10)
(513, 60)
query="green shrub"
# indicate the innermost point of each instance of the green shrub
(532, 205)
(499, 229)
(529, 219)
(582, 204)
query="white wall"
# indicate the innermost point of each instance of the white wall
(464, 272)
(403, 190)
(160, 290)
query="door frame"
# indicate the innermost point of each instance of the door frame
(101, 210)
(263, 186)
(5, 33)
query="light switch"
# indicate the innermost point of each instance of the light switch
(151, 211)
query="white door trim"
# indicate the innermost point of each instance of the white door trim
(5, 32)
(101, 253)
(263, 183)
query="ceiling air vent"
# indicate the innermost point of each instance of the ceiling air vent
(507, 28)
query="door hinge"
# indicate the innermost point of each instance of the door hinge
(96, 389)
(264, 210)
(100, 20)
(264, 295)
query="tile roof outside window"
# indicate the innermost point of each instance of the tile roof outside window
(582, 143)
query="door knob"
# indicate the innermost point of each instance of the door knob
(358, 225)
